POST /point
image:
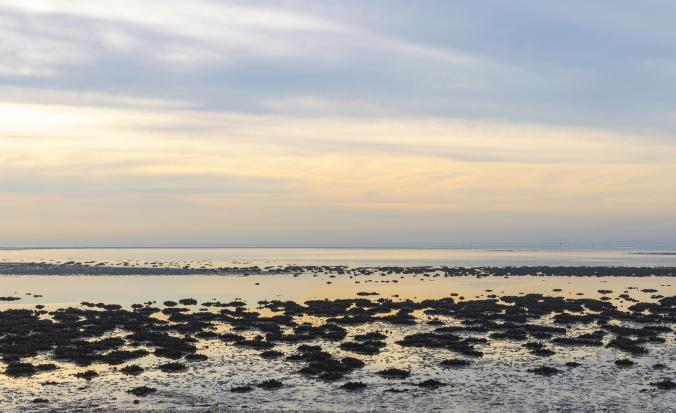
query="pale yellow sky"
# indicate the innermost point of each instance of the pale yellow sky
(110, 174)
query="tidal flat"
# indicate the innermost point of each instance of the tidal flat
(337, 338)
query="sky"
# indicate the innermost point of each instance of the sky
(337, 123)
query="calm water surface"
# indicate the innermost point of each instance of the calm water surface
(350, 256)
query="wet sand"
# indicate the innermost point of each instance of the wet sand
(338, 341)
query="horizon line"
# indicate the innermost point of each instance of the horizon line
(479, 245)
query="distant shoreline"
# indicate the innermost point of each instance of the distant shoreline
(75, 268)
(639, 250)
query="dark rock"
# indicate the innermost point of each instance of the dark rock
(394, 373)
(172, 367)
(121, 356)
(142, 391)
(87, 375)
(353, 386)
(372, 336)
(455, 363)
(366, 348)
(430, 383)
(544, 371)
(132, 370)
(271, 384)
(664, 384)
(330, 376)
(241, 389)
(352, 363)
(196, 357)
(20, 369)
(271, 354)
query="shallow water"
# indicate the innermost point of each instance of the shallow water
(349, 256)
(127, 290)
(497, 382)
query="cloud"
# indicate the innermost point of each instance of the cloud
(526, 62)
(195, 19)
(133, 184)
(69, 98)
(317, 105)
(357, 162)
(272, 119)
(195, 34)
(39, 51)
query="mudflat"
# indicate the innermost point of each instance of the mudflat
(498, 338)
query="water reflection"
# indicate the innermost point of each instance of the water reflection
(343, 256)
(127, 290)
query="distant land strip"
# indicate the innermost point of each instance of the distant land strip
(71, 268)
